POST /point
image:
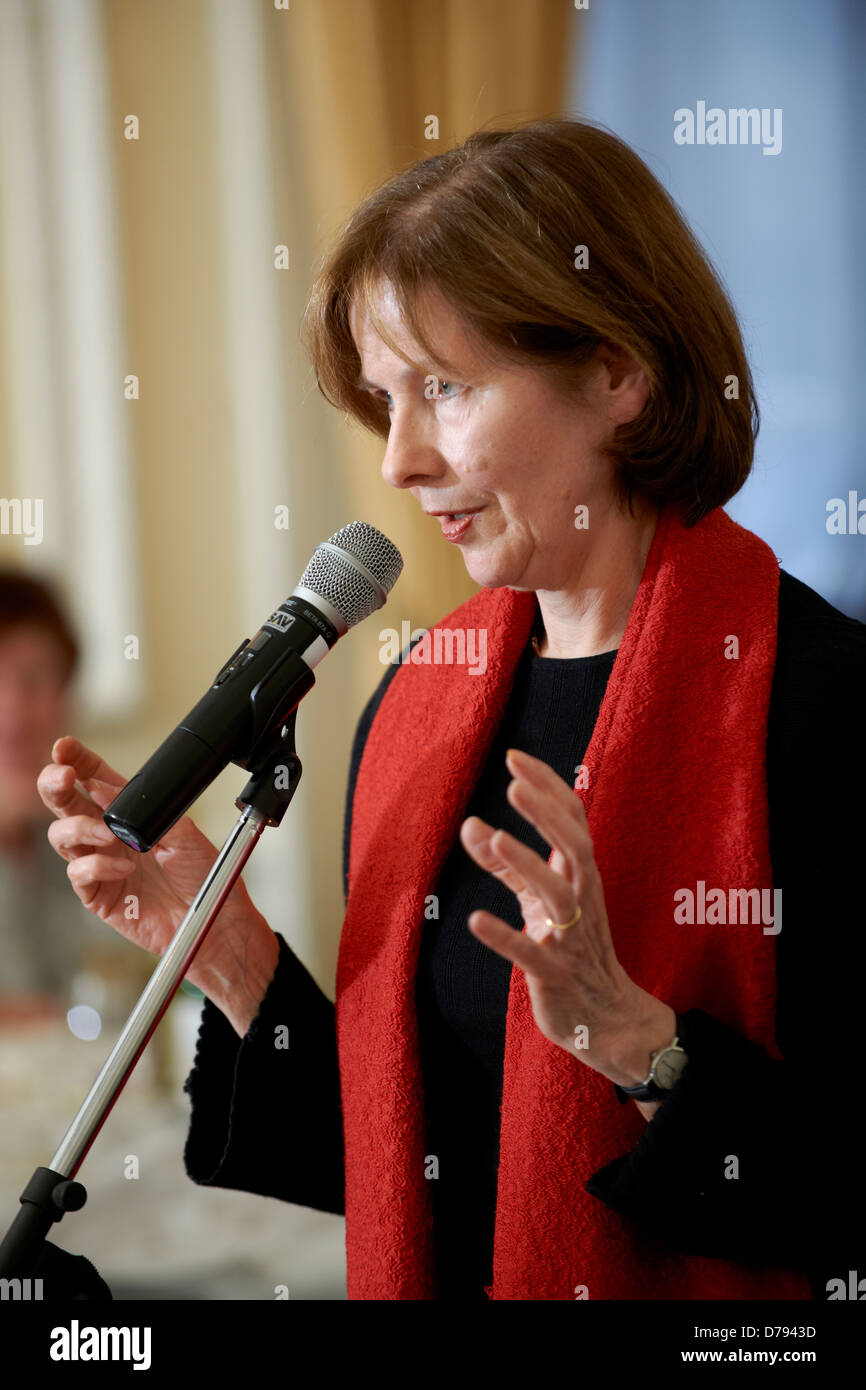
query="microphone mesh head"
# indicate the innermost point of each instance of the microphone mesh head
(345, 586)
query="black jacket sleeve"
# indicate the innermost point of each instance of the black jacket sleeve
(265, 1117)
(265, 1111)
(750, 1158)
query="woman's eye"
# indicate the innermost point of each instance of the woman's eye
(447, 391)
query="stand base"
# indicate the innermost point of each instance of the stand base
(45, 1199)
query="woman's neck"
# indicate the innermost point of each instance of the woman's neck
(590, 616)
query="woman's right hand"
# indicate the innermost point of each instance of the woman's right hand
(238, 958)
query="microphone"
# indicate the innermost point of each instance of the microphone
(255, 692)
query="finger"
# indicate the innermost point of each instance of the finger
(541, 774)
(74, 836)
(63, 796)
(476, 836)
(490, 850)
(552, 824)
(516, 946)
(558, 895)
(95, 869)
(88, 764)
(58, 789)
(552, 817)
(97, 783)
(520, 868)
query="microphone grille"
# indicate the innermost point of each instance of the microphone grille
(379, 555)
(345, 586)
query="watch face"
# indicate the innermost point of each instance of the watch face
(669, 1068)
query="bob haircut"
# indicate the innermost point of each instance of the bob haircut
(494, 225)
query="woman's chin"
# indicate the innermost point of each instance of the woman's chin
(489, 569)
(488, 576)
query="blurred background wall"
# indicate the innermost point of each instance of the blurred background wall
(154, 160)
(784, 230)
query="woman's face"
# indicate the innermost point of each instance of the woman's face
(499, 442)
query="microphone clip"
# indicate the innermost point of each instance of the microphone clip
(276, 772)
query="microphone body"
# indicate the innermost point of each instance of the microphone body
(261, 684)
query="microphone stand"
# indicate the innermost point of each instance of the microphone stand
(52, 1191)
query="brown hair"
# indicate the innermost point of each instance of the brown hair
(493, 225)
(29, 602)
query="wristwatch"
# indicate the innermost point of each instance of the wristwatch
(667, 1065)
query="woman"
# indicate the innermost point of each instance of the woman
(647, 1105)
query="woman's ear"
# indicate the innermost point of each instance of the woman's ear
(625, 385)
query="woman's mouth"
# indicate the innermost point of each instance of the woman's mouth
(456, 524)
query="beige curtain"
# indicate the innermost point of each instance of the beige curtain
(307, 108)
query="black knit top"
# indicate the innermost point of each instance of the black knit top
(462, 986)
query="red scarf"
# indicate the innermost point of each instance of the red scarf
(676, 794)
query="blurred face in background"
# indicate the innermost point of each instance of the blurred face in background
(33, 705)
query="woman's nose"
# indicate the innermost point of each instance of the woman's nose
(411, 457)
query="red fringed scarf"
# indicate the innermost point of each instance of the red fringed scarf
(676, 794)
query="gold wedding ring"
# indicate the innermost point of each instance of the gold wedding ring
(561, 926)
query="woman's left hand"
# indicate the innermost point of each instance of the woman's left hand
(582, 998)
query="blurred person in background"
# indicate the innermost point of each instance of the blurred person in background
(46, 937)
